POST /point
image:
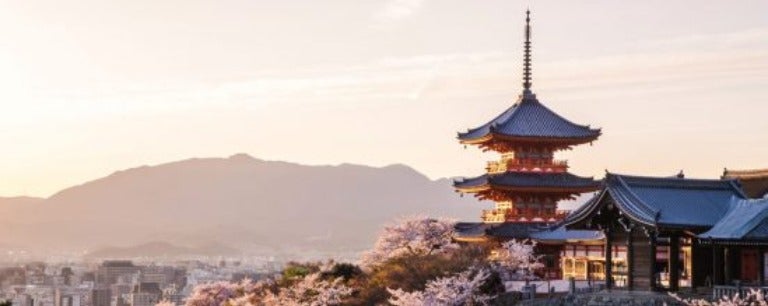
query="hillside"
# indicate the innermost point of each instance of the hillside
(247, 204)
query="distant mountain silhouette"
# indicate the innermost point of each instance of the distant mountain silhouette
(246, 204)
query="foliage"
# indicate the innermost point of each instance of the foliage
(411, 236)
(345, 271)
(753, 298)
(223, 293)
(310, 290)
(460, 289)
(414, 262)
(295, 270)
(411, 272)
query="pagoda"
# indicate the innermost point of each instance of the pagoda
(527, 182)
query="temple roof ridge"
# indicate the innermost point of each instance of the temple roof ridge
(675, 181)
(668, 201)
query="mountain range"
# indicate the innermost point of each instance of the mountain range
(238, 204)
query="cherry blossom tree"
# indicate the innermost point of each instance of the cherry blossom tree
(310, 290)
(754, 297)
(460, 289)
(246, 292)
(518, 257)
(415, 235)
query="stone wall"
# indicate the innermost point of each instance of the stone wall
(613, 298)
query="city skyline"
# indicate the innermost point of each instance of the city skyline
(98, 87)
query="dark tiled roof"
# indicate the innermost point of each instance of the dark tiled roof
(117, 263)
(746, 219)
(665, 201)
(754, 182)
(529, 118)
(528, 180)
(560, 233)
(538, 231)
(507, 230)
(147, 287)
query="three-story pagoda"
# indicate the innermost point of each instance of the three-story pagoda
(526, 183)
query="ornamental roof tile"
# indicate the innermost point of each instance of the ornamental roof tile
(528, 180)
(746, 219)
(524, 230)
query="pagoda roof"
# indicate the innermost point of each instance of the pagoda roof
(506, 230)
(745, 220)
(663, 201)
(528, 181)
(754, 181)
(538, 231)
(561, 234)
(529, 120)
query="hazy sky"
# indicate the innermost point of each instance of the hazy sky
(90, 87)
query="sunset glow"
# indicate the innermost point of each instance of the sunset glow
(91, 87)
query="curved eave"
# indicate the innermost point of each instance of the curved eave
(568, 189)
(628, 202)
(709, 241)
(471, 239)
(582, 213)
(493, 136)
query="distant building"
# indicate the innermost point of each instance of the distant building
(754, 182)
(101, 297)
(120, 292)
(145, 294)
(23, 300)
(110, 270)
(64, 298)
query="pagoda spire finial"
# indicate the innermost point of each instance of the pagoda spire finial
(527, 58)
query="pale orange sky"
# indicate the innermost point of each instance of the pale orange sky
(91, 87)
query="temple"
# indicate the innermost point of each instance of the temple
(678, 232)
(527, 183)
(636, 232)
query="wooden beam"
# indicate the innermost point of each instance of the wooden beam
(761, 265)
(630, 260)
(727, 265)
(717, 265)
(652, 255)
(695, 259)
(674, 262)
(608, 259)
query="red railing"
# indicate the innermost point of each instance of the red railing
(503, 215)
(527, 165)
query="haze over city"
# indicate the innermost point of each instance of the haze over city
(390, 152)
(91, 87)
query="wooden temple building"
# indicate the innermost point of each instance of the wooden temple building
(527, 182)
(754, 182)
(636, 233)
(678, 232)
